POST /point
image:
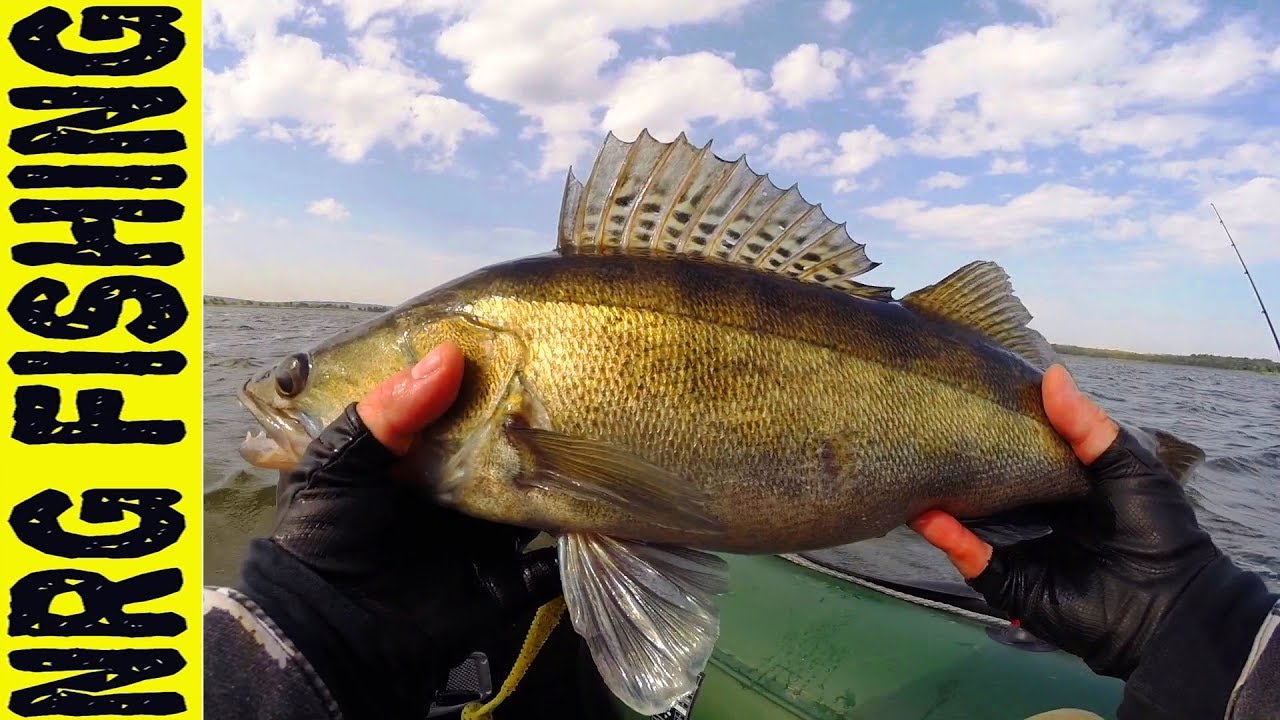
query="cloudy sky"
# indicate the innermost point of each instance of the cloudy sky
(370, 149)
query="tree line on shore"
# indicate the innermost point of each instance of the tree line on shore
(1197, 360)
(310, 304)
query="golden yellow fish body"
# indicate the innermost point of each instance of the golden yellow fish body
(807, 417)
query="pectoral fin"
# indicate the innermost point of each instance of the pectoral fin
(603, 473)
(1014, 526)
(647, 612)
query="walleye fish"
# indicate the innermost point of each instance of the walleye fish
(697, 369)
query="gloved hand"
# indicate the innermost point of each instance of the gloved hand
(381, 589)
(1127, 580)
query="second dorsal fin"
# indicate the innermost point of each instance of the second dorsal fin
(980, 296)
(673, 199)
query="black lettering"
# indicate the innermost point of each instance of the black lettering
(35, 38)
(35, 420)
(135, 177)
(108, 669)
(112, 107)
(93, 225)
(78, 362)
(97, 310)
(35, 522)
(32, 596)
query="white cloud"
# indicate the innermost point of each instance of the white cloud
(274, 131)
(356, 14)
(329, 209)
(549, 59)
(1199, 69)
(553, 60)
(1032, 218)
(860, 149)
(1006, 166)
(1275, 60)
(1109, 169)
(837, 11)
(1174, 14)
(286, 87)
(569, 133)
(311, 17)
(1157, 134)
(667, 95)
(1125, 229)
(222, 214)
(799, 150)
(740, 145)
(811, 152)
(239, 23)
(945, 180)
(1090, 73)
(1248, 208)
(807, 73)
(1251, 158)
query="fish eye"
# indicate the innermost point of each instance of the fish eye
(291, 375)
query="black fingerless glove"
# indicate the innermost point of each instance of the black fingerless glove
(382, 590)
(1129, 582)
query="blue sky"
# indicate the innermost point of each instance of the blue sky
(371, 149)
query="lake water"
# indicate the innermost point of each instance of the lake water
(1233, 415)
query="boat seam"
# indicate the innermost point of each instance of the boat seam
(932, 604)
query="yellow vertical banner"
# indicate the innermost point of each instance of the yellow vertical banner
(101, 382)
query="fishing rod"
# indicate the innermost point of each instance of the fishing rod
(1246, 274)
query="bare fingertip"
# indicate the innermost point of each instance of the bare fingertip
(926, 523)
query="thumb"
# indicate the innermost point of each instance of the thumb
(1079, 420)
(408, 401)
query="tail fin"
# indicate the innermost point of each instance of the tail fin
(1179, 456)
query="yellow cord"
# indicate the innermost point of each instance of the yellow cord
(544, 622)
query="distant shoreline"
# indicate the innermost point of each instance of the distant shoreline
(1198, 360)
(308, 304)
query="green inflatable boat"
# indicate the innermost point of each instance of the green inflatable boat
(801, 638)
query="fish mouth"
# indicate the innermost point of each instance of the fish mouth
(282, 440)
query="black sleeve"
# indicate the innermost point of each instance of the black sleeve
(1257, 694)
(365, 661)
(1192, 666)
(251, 670)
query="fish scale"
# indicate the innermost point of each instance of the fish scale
(699, 369)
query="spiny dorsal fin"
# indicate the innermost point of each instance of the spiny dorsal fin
(651, 198)
(979, 295)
